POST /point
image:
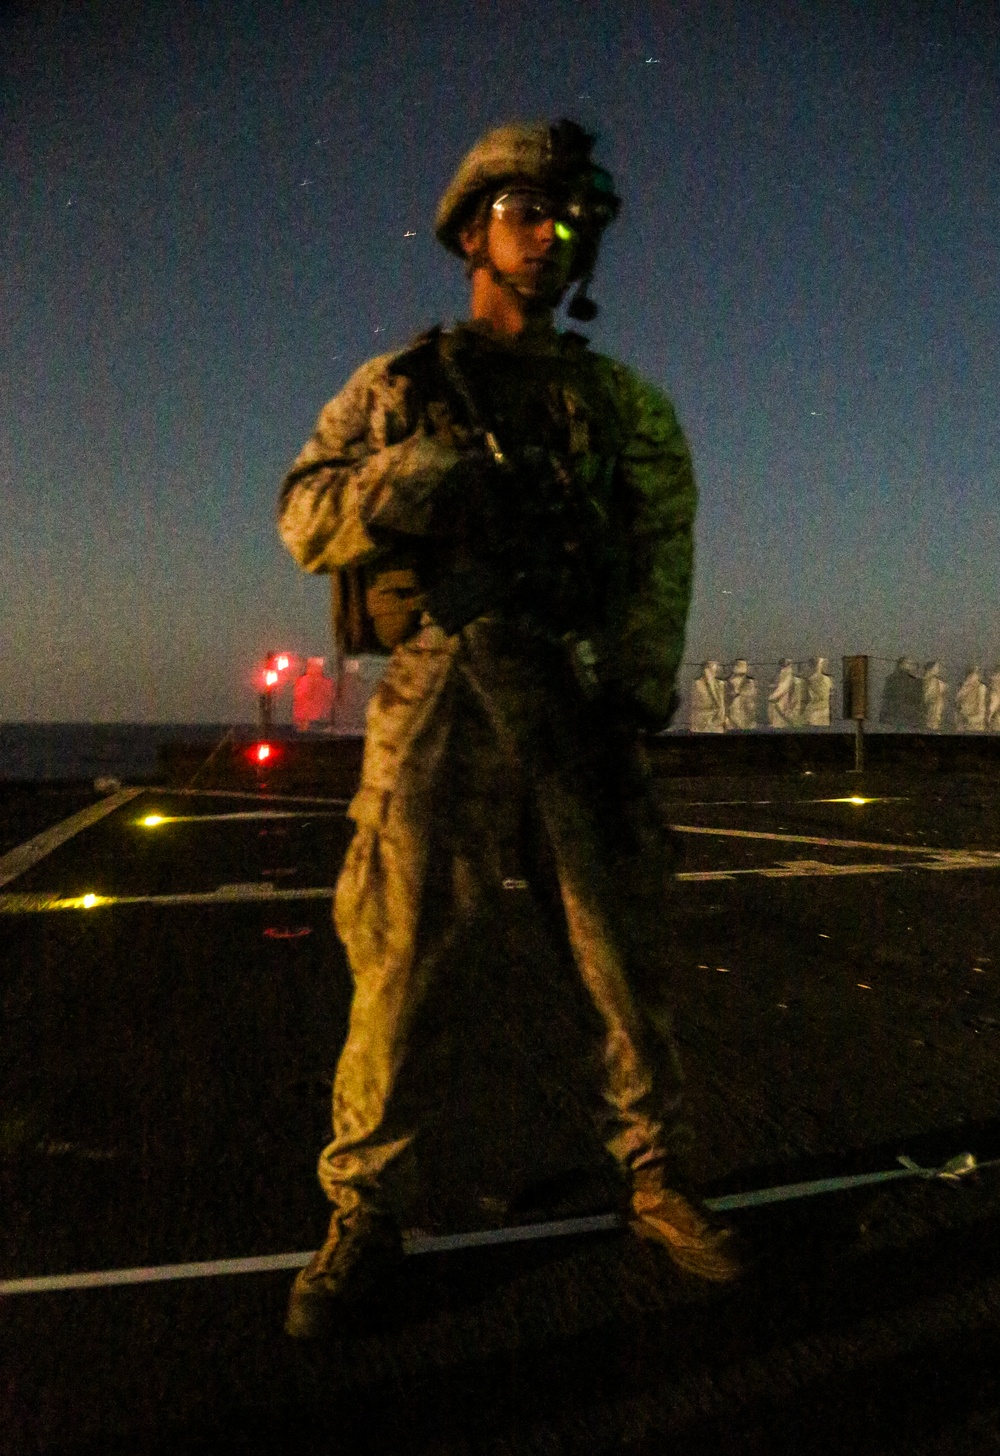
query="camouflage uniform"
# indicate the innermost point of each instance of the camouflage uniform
(496, 704)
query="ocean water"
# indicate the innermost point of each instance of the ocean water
(40, 751)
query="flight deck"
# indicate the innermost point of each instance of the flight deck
(174, 1001)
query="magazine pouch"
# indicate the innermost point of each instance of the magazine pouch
(375, 607)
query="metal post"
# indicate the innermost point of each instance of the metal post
(856, 704)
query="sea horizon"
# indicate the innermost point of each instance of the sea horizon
(36, 751)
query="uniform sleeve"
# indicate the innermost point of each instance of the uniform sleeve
(371, 469)
(657, 479)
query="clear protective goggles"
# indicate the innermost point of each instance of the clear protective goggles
(527, 207)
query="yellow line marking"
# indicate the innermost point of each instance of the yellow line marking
(153, 821)
(787, 803)
(263, 893)
(933, 859)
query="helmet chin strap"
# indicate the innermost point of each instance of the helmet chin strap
(482, 259)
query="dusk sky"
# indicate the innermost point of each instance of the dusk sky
(213, 212)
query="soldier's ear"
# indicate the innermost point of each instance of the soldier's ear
(473, 237)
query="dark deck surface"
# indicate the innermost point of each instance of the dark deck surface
(164, 1078)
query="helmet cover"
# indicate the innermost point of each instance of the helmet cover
(555, 157)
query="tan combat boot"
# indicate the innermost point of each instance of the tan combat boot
(697, 1243)
(361, 1249)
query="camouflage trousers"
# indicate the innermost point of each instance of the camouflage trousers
(425, 877)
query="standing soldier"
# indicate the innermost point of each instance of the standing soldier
(903, 697)
(707, 712)
(819, 696)
(934, 694)
(781, 705)
(741, 697)
(521, 510)
(993, 703)
(970, 703)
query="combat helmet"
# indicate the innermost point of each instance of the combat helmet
(555, 156)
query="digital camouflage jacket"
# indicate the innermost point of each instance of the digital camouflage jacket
(383, 485)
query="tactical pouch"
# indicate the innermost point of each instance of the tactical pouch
(374, 607)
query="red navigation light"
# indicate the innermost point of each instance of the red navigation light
(276, 667)
(272, 678)
(261, 753)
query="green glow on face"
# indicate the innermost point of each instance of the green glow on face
(564, 232)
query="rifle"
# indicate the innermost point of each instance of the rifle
(500, 583)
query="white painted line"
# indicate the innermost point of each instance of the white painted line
(805, 868)
(105, 1278)
(265, 1263)
(789, 1191)
(954, 1170)
(20, 859)
(515, 1234)
(263, 893)
(16, 861)
(245, 794)
(924, 849)
(933, 858)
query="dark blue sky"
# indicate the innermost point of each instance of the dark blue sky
(204, 215)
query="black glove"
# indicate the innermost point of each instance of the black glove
(469, 496)
(460, 597)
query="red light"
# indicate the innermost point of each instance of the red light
(263, 752)
(275, 670)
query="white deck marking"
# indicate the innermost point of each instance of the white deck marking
(103, 1278)
(16, 861)
(792, 869)
(924, 849)
(802, 869)
(245, 794)
(35, 849)
(932, 859)
(514, 1234)
(415, 1242)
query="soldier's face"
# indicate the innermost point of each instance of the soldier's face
(529, 244)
